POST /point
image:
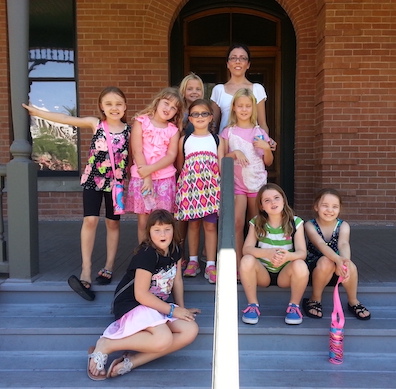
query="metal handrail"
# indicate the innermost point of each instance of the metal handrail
(3, 247)
(225, 370)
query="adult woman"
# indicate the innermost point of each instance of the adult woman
(238, 62)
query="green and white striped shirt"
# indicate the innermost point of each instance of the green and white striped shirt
(275, 238)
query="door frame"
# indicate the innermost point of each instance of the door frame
(284, 55)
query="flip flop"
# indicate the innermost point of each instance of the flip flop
(126, 368)
(100, 360)
(357, 310)
(105, 277)
(79, 287)
(310, 304)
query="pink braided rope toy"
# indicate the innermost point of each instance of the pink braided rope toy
(336, 341)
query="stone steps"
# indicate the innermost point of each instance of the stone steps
(46, 330)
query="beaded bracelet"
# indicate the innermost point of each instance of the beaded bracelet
(172, 308)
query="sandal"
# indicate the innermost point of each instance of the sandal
(308, 305)
(104, 277)
(126, 366)
(83, 288)
(100, 359)
(357, 310)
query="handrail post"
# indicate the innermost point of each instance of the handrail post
(3, 247)
(22, 197)
(225, 372)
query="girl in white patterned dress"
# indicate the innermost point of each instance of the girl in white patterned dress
(198, 186)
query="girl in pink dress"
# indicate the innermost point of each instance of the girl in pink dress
(248, 145)
(154, 144)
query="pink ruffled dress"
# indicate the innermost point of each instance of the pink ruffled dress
(155, 146)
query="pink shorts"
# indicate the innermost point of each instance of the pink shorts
(240, 192)
(164, 189)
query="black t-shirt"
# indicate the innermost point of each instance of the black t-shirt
(149, 259)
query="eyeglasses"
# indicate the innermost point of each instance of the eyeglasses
(240, 59)
(198, 114)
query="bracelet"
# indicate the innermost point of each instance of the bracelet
(172, 308)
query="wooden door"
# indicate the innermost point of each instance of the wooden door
(211, 66)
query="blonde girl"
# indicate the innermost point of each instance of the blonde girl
(247, 144)
(191, 88)
(274, 253)
(154, 143)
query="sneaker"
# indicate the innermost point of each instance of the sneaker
(251, 314)
(293, 314)
(210, 274)
(192, 269)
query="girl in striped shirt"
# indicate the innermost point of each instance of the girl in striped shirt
(274, 252)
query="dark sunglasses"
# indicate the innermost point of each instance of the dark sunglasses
(198, 114)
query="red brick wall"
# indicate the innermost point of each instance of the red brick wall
(356, 126)
(345, 91)
(345, 104)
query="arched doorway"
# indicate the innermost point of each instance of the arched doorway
(200, 39)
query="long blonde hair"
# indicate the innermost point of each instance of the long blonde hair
(262, 216)
(167, 94)
(232, 121)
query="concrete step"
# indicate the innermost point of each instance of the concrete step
(46, 329)
(192, 369)
(195, 291)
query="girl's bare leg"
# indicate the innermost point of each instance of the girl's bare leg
(210, 230)
(193, 231)
(142, 222)
(321, 276)
(251, 208)
(294, 275)
(150, 344)
(252, 274)
(240, 222)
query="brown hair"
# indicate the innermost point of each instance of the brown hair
(106, 91)
(206, 104)
(262, 216)
(161, 216)
(239, 46)
(324, 192)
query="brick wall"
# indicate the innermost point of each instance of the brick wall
(345, 105)
(356, 107)
(345, 91)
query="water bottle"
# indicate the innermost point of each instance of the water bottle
(149, 200)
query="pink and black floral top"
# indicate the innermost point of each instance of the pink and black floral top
(98, 174)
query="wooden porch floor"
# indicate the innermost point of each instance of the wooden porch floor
(372, 250)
